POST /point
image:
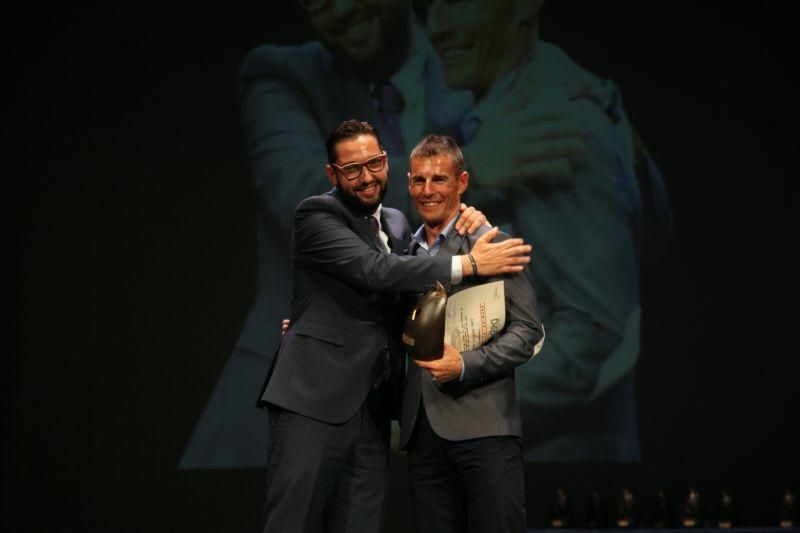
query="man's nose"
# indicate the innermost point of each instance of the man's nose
(366, 175)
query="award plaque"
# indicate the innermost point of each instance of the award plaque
(423, 333)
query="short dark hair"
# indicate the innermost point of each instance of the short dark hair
(433, 145)
(349, 129)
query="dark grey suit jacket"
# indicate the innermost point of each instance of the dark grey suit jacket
(343, 307)
(485, 402)
(292, 97)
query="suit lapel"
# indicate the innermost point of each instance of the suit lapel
(394, 228)
(454, 244)
(358, 223)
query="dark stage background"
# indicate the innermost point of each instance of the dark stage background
(137, 256)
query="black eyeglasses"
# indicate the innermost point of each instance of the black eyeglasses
(354, 170)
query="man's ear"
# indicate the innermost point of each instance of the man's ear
(463, 182)
(331, 174)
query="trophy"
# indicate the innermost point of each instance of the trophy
(691, 509)
(626, 510)
(788, 511)
(596, 512)
(561, 515)
(661, 513)
(423, 333)
(727, 512)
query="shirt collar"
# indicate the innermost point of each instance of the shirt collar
(419, 238)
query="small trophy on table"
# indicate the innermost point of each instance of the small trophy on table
(691, 509)
(561, 514)
(727, 512)
(596, 512)
(788, 512)
(626, 510)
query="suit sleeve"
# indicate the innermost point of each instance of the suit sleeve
(588, 274)
(515, 345)
(324, 242)
(283, 141)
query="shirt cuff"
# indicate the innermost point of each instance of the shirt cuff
(463, 368)
(456, 274)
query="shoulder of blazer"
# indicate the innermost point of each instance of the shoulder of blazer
(272, 59)
(472, 239)
(330, 202)
(396, 217)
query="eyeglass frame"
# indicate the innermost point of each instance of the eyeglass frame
(383, 155)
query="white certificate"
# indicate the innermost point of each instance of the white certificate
(474, 315)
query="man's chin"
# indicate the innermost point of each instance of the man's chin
(365, 206)
(368, 203)
(381, 56)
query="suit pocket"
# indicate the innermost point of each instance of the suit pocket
(321, 332)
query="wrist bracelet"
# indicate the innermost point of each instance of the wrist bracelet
(474, 264)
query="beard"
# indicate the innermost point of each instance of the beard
(356, 204)
(390, 55)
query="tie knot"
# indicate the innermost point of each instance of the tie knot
(373, 223)
(388, 98)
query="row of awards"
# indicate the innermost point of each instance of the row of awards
(693, 513)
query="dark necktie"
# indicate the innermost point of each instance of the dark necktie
(373, 223)
(389, 105)
(382, 370)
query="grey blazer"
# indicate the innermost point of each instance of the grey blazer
(485, 402)
(343, 307)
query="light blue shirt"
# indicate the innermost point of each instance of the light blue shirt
(421, 241)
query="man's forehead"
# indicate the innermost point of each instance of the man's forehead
(357, 149)
(433, 165)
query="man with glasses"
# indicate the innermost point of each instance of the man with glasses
(326, 391)
(371, 61)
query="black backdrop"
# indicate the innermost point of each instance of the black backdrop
(137, 264)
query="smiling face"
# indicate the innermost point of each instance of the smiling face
(365, 192)
(480, 40)
(436, 186)
(370, 36)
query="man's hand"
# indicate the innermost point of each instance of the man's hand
(445, 369)
(491, 259)
(470, 220)
(524, 148)
(284, 326)
(521, 142)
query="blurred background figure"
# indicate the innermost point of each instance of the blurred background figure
(372, 61)
(555, 160)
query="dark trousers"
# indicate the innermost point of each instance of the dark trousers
(327, 477)
(473, 486)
